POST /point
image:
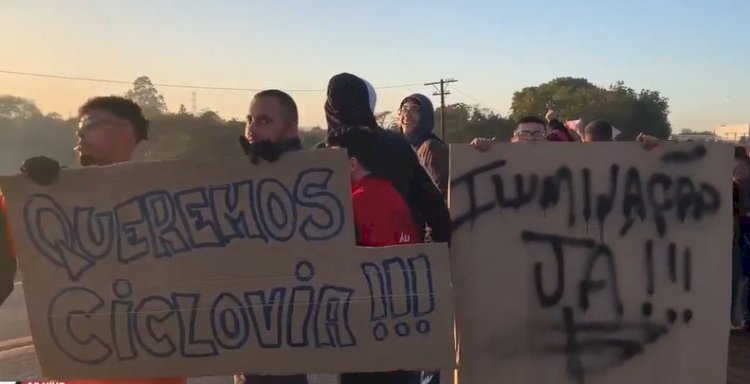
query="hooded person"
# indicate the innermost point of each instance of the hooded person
(351, 103)
(417, 120)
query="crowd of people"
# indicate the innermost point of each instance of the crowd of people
(399, 180)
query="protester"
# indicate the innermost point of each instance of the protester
(417, 120)
(601, 130)
(351, 103)
(110, 128)
(380, 212)
(529, 129)
(381, 217)
(576, 126)
(272, 128)
(598, 130)
(557, 131)
(740, 152)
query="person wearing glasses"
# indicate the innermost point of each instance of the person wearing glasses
(532, 129)
(417, 120)
(109, 130)
(529, 129)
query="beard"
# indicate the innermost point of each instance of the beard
(86, 160)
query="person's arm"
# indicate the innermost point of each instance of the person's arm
(7, 259)
(428, 204)
(647, 142)
(44, 171)
(482, 144)
(435, 160)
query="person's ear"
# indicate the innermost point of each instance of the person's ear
(290, 126)
(354, 165)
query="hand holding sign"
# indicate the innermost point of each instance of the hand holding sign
(193, 268)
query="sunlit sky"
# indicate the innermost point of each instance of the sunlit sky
(696, 53)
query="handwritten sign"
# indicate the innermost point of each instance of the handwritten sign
(190, 269)
(588, 263)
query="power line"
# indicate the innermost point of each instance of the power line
(180, 85)
(442, 91)
(467, 96)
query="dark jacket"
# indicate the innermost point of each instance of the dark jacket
(270, 152)
(348, 104)
(431, 151)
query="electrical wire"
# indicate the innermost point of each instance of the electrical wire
(50, 76)
(468, 96)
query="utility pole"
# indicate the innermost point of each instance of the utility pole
(442, 92)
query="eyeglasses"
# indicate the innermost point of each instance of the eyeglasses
(90, 123)
(411, 109)
(533, 135)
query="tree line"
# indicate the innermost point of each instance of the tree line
(25, 131)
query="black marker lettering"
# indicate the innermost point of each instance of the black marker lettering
(551, 192)
(632, 200)
(468, 178)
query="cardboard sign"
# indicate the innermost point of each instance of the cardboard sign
(592, 263)
(189, 269)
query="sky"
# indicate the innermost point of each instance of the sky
(696, 53)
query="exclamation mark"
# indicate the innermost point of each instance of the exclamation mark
(687, 276)
(650, 267)
(672, 261)
(378, 304)
(398, 287)
(647, 309)
(423, 296)
(376, 283)
(423, 299)
(687, 272)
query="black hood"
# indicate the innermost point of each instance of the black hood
(348, 102)
(423, 130)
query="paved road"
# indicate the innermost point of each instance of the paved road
(21, 364)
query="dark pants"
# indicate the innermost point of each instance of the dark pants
(430, 378)
(396, 377)
(741, 262)
(261, 379)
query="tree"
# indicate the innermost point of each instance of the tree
(465, 122)
(383, 119)
(145, 94)
(686, 131)
(207, 114)
(182, 110)
(54, 116)
(13, 107)
(573, 98)
(311, 137)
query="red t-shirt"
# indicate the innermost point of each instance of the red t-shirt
(381, 214)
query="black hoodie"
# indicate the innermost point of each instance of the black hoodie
(349, 104)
